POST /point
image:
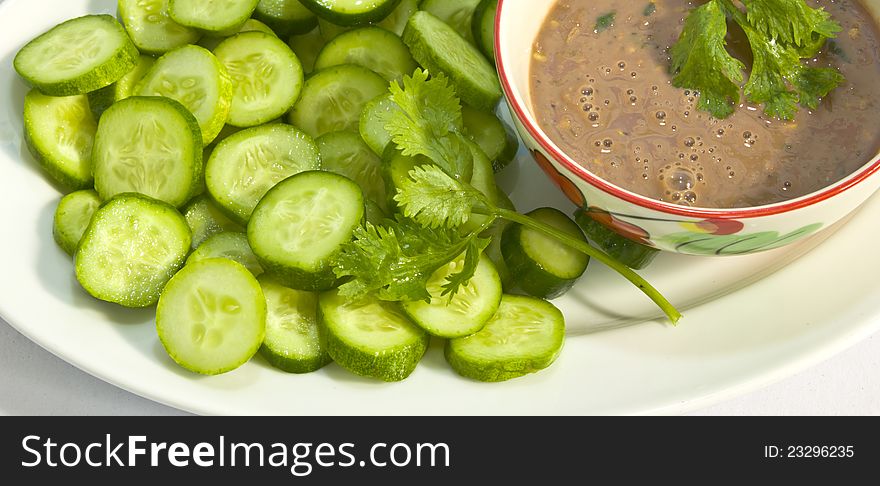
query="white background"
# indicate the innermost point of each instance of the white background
(34, 382)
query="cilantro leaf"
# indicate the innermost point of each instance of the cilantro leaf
(396, 261)
(429, 123)
(790, 21)
(435, 200)
(701, 62)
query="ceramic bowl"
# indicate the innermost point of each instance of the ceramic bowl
(695, 231)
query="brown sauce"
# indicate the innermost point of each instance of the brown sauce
(606, 100)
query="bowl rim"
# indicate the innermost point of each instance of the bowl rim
(523, 114)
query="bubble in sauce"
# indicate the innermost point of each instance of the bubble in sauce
(680, 180)
(689, 142)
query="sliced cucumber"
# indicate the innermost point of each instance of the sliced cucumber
(493, 251)
(132, 247)
(59, 133)
(211, 42)
(346, 154)
(266, 74)
(246, 165)
(371, 47)
(77, 56)
(211, 318)
(625, 250)
(192, 76)
(214, 16)
(483, 27)
(206, 220)
(232, 246)
(437, 47)
(396, 168)
(330, 31)
(307, 47)
(375, 214)
(334, 98)
(151, 28)
(372, 129)
(525, 336)
(72, 217)
(540, 265)
(497, 140)
(101, 99)
(370, 337)
(149, 145)
(286, 17)
(351, 12)
(468, 311)
(293, 341)
(483, 180)
(302, 223)
(397, 19)
(458, 14)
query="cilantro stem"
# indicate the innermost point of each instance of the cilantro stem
(671, 312)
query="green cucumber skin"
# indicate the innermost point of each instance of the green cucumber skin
(200, 25)
(469, 89)
(486, 7)
(324, 10)
(628, 252)
(122, 62)
(389, 367)
(150, 299)
(60, 233)
(528, 274)
(286, 27)
(498, 371)
(69, 182)
(297, 366)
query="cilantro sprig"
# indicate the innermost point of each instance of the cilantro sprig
(438, 206)
(781, 33)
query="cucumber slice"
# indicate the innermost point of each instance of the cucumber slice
(372, 129)
(397, 19)
(266, 74)
(302, 223)
(151, 28)
(396, 168)
(483, 27)
(72, 217)
(60, 132)
(192, 76)
(346, 154)
(206, 220)
(149, 145)
(493, 251)
(211, 42)
(371, 47)
(375, 214)
(437, 47)
(211, 318)
(330, 31)
(525, 336)
(294, 341)
(286, 17)
(370, 337)
(458, 14)
(214, 16)
(103, 98)
(77, 56)
(468, 311)
(246, 165)
(131, 249)
(497, 140)
(350, 13)
(624, 250)
(307, 47)
(334, 98)
(232, 246)
(483, 180)
(542, 266)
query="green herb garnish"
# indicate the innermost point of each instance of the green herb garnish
(604, 22)
(781, 33)
(650, 9)
(395, 261)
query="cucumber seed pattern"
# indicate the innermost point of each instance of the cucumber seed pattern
(145, 159)
(294, 311)
(76, 136)
(188, 90)
(464, 300)
(308, 225)
(253, 77)
(261, 168)
(212, 317)
(61, 59)
(374, 316)
(137, 263)
(514, 325)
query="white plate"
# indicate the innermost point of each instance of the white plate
(748, 320)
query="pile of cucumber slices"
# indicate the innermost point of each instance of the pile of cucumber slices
(217, 154)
